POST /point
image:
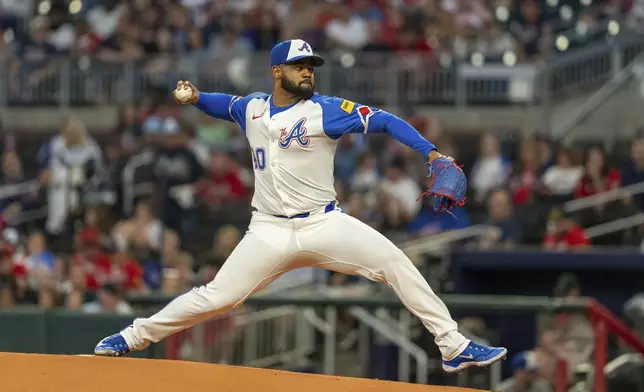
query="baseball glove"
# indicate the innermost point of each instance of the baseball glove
(447, 184)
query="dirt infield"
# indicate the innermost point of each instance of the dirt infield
(60, 373)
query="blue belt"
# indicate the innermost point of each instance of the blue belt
(329, 207)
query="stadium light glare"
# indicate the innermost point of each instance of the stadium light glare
(509, 59)
(44, 7)
(553, 3)
(565, 12)
(613, 27)
(477, 59)
(347, 60)
(581, 28)
(75, 6)
(586, 3)
(562, 43)
(502, 14)
(445, 59)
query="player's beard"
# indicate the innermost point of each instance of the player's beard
(301, 90)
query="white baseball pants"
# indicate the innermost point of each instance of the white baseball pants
(272, 246)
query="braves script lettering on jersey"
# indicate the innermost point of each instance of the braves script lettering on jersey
(297, 222)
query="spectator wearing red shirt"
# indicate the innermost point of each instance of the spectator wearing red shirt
(91, 259)
(126, 272)
(224, 182)
(525, 180)
(564, 233)
(598, 177)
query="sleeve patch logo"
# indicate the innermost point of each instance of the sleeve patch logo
(364, 110)
(347, 106)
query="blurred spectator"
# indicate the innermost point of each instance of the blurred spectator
(299, 21)
(144, 230)
(366, 177)
(71, 165)
(525, 375)
(346, 158)
(14, 203)
(562, 178)
(223, 184)
(228, 45)
(76, 288)
(575, 329)
(401, 189)
(104, 17)
(491, 170)
(501, 216)
(525, 181)
(497, 41)
(225, 241)
(564, 233)
(110, 300)
(38, 259)
(633, 172)
(126, 272)
(598, 176)
(264, 29)
(128, 131)
(178, 278)
(529, 25)
(346, 30)
(177, 171)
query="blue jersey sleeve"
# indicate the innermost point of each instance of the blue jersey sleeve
(341, 116)
(227, 107)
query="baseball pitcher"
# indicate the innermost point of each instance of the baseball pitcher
(296, 222)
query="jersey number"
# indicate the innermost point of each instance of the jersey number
(259, 158)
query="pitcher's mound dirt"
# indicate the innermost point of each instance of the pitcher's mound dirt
(60, 373)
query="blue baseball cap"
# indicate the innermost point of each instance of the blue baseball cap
(525, 360)
(293, 50)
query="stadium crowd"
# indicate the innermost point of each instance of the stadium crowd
(223, 29)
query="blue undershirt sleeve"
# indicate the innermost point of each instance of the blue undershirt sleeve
(227, 107)
(341, 117)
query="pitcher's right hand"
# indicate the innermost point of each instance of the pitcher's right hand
(185, 93)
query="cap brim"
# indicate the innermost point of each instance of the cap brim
(316, 60)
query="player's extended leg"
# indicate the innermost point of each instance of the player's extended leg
(347, 245)
(260, 257)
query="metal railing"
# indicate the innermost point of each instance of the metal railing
(619, 79)
(406, 346)
(602, 198)
(132, 189)
(279, 336)
(441, 241)
(375, 78)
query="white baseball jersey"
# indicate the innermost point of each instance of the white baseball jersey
(293, 149)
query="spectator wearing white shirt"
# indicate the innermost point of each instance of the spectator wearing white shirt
(347, 31)
(491, 170)
(105, 18)
(71, 165)
(402, 189)
(562, 178)
(110, 300)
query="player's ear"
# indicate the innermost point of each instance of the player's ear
(277, 72)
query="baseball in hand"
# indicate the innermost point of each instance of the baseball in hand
(183, 92)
